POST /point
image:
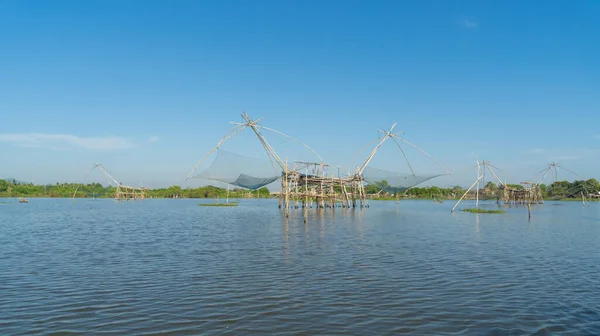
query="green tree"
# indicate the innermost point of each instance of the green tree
(457, 190)
(4, 185)
(593, 185)
(491, 186)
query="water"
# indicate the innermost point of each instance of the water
(170, 267)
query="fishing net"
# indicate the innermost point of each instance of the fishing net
(240, 170)
(392, 182)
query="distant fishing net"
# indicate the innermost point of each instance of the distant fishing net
(392, 182)
(240, 170)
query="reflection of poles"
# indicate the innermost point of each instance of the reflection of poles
(583, 199)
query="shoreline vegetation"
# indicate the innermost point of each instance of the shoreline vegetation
(557, 191)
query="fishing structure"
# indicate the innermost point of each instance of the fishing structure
(481, 169)
(123, 192)
(304, 184)
(552, 169)
(529, 194)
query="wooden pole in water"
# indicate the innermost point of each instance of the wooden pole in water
(305, 210)
(465, 194)
(322, 191)
(529, 210)
(281, 192)
(477, 191)
(75, 193)
(287, 193)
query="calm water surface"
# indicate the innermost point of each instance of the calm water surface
(170, 267)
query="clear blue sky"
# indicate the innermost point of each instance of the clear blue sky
(148, 87)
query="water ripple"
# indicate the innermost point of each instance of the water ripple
(169, 267)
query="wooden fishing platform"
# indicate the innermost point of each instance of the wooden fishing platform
(123, 192)
(307, 184)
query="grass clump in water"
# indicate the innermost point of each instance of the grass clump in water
(219, 204)
(488, 211)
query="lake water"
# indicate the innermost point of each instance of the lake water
(170, 267)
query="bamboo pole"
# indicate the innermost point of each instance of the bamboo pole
(287, 193)
(281, 192)
(465, 194)
(75, 193)
(477, 191)
(305, 210)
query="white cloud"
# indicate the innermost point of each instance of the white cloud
(562, 153)
(61, 141)
(566, 158)
(470, 24)
(153, 139)
(575, 154)
(537, 151)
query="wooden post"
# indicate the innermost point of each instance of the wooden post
(296, 193)
(281, 192)
(287, 192)
(465, 194)
(477, 191)
(305, 210)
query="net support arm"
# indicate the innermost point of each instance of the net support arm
(466, 192)
(388, 134)
(422, 151)
(404, 154)
(292, 138)
(494, 174)
(270, 151)
(106, 173)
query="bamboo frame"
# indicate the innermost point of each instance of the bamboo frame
(123, 192)
(317, 188)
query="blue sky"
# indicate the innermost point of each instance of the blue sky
(148, 87)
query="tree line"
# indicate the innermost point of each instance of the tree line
(555, 190)
(379, 190)
(9, 188)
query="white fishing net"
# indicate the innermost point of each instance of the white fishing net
(240, 170)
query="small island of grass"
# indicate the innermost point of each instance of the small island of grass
(488, 211)
(219, 204)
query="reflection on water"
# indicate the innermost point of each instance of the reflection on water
(171, 267)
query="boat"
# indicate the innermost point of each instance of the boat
(23, 200)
